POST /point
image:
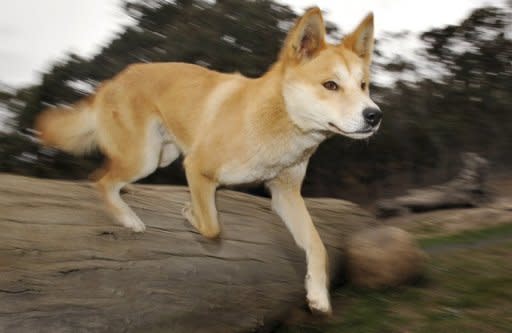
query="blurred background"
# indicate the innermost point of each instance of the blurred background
(442, 74)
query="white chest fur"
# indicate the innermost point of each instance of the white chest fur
(264, 162)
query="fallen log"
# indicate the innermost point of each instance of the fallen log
(467, 189)
(66, 267)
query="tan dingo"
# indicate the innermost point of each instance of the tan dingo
(231, 129)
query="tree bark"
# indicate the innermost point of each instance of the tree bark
(66, 267)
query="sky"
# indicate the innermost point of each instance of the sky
(395, 15)
(34, 33)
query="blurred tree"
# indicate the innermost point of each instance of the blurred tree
(428, 121)
(473, 97)
(228, 35)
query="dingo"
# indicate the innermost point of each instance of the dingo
(231, 129)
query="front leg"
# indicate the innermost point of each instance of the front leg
(201, 213)
(289, 205)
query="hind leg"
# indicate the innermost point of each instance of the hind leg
(97, 174)
(129, 165)
(115, 177)
(168, 154)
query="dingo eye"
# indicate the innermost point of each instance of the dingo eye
(330, 85)
(363, 85)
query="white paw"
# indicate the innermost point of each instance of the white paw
(319, 304)
(133, 222)
(186, 211)
(318, 298)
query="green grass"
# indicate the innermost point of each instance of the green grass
(467, 290)
(468, 237)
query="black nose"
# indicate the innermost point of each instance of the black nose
(372, 116)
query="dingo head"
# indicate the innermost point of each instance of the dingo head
(326, 87)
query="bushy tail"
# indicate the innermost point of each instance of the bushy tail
(72, 130)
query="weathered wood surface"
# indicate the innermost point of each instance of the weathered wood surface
(65, 266)
(467, 189)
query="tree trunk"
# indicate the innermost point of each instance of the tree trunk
(66, 267)
(467, 189)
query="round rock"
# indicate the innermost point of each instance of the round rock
(383, 257)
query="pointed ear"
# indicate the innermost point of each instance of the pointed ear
(306, 38)
(360, 41)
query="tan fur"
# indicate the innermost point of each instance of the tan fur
(231, 129)
(72, 130)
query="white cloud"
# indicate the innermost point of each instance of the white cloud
(395, 15)
(35, 33)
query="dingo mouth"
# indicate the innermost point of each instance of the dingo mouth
(367, 131)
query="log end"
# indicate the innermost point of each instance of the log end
(383, 257)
